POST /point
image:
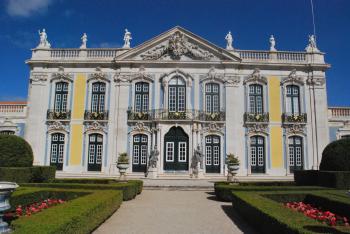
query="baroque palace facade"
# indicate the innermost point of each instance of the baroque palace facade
(174, 93)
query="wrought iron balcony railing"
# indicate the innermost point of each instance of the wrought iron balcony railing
(256, 117)
(212, 116)
(132, 115)
(63, 115)
(294, 118)
(95, 115)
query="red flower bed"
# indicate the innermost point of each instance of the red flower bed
(36, 207)
(326, 217)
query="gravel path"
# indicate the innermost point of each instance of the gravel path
(180, 212)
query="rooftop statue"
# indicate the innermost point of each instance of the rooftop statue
(312, 47)
(43, 40)
(272, 43)
(83, 41)
(229, 41)
(127, 38)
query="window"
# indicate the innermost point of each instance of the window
(177, 95)
(182, 151)
(141, 97)
(293, 99)
(257, 154)
(256, 99)
(95, 152)
(140, 149)
(57, 150)
(61, 97)
(7, 132)
(98, 97)
(212, 154)
(295, 153)
(170, 151)
(212, 98)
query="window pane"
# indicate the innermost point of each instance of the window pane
(181, 100)
(143, 154)
(172, 99)
(136, 154)
(170, 151)
(182, 151)
(208, 155)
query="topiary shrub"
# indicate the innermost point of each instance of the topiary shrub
(336, 156)
(15, 152)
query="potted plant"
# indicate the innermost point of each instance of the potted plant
(232, 164)
(123, 164)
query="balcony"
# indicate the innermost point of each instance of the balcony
(256, 117)
(214, 116)
(290, 118)
(139, 115)
(95, 115)
(59, 115)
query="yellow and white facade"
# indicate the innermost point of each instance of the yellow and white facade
(174, 93)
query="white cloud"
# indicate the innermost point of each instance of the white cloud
(26, 8)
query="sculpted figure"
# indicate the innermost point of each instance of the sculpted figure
(272, 43)
(153, 158)
(83, 41)
(197, 158)
(127, 38)
(229, 41)
(43, 40)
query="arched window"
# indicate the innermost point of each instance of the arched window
(257, 154)
(141, 97)
(256, 105)
(95, 152)
(57, 150)
(98, 97)
(177, 95)
(212, 98)
(212, 154)
(293, 99)
(140, 148)
(61, 97)
(7, 132)
(295, 153)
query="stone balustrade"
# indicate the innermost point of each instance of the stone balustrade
(340, 113)
(13, 109)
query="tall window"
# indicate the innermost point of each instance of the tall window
(212, 154)
(141, 97)
(212, 98)
(95, 152)
(98, 97)
(295, 152)
(257, 154)
(177, 95)
(140, 148)
(61, 96)
(57, 150)
(256, 99)
(293, 99)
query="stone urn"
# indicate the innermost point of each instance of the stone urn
(6, 189)
(122, 169)
(232, 171)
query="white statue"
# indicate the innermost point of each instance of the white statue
(43, 40)
(83, 41)
(272, 43)
(229, 41)
(312, 47)
(127, 38)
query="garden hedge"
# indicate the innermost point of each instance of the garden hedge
(333, 179)
(270, 216)
(336, 156)
(15, 152)
(28, 174)
(79, 215)
(130, 189)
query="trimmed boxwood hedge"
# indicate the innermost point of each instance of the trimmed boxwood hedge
(130, 189)
(336, 156)
(80, 215)
(15, 152)
(269, 216)
(333, 179)
(28, 174)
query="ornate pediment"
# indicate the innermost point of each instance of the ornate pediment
(257, 128)
(293, 129)
(177, 44)
(98, 75)
(255, 77)
(57, 126)
(128, 77)
(95, 127)
(61, 75)
(293, 78)
(38, 77)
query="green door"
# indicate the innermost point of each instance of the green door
(176, 150)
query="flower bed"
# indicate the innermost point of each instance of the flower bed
(326, 217)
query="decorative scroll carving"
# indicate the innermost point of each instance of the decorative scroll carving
(95, 126)
(293, 78)
(57, 126)
(98, 75)
(213, 128)
(141, 128)
(316, 81)
(61, 75)
(257, 128)
(293, 129)
(177, 46)
(38, 77)
(128, 77)
(256, 77)
(232, 80)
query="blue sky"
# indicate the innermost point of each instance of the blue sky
(251, 23)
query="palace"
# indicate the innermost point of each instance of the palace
(175, 94)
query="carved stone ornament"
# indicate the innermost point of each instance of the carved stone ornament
(293, 78)
(177, 47)
(128, 77)
(95, 126)
(316, 81)
(140, 127)
(293, 129)
(213, 128)
(232, 80)
(256, 77)
(257, 128)
(98, 75)
(38, 77)
(61, 75)
(57, 126)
